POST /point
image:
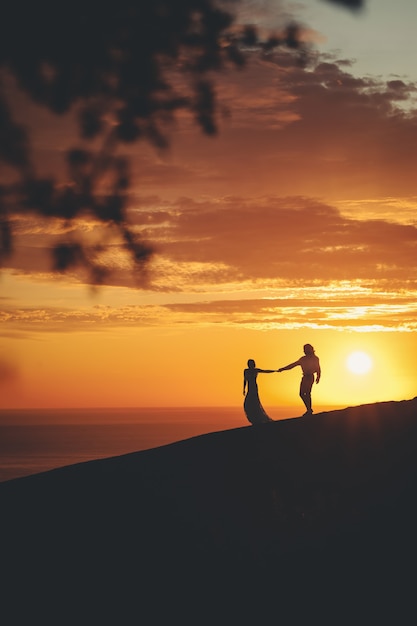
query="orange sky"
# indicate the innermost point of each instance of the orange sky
(296, 223)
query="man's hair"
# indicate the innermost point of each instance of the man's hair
(308, 348)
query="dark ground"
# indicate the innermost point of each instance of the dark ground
(309, 520)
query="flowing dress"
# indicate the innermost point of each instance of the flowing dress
(254, 410)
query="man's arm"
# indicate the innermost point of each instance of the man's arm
(290, 366)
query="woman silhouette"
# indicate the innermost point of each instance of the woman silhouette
(253, 408)
(310, 365)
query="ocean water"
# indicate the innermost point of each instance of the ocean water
(37, 440)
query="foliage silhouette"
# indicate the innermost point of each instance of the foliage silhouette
(124, 70)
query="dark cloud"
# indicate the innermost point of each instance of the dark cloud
(234, 239)
(351, 128)
(293, 239)
(318, 131)
(338, 136)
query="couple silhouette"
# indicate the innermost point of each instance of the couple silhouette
(310, 365)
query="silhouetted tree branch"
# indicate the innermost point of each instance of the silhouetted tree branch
(113, 65)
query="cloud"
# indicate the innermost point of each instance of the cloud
(304, 308)
(296, 239)
(317, 131)
(309, 185)
(352, 128)
(247, 240)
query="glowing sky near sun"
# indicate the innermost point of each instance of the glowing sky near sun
(296, 223)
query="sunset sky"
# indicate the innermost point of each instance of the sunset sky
(296, 223)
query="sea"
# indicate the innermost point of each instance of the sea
(38, 440)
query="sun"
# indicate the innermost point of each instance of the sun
(359, 362)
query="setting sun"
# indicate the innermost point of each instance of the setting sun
(359, 362)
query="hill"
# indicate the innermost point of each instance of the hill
(302, 519)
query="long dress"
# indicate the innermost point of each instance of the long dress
(254, 410)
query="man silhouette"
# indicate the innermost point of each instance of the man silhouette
(310, 364)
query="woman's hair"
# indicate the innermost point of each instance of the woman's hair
(308, 348)
(251, 363)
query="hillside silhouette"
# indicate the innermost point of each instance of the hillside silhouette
(301, 519)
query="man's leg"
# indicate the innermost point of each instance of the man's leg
(305, 392)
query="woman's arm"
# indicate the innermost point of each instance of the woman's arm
(265, 371)
(245, 382)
